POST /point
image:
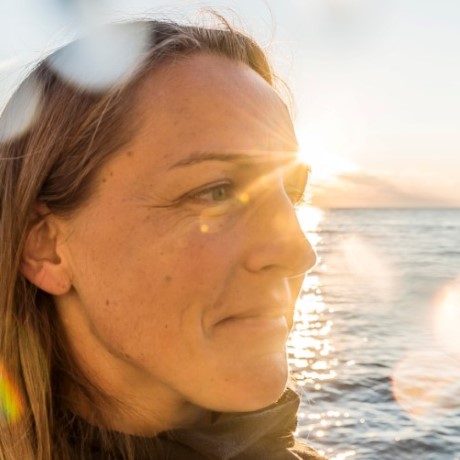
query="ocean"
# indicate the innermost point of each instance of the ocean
(375, 348)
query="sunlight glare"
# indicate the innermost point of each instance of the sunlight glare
(426, 384)
(326, 162)
(108, 56)
(370, 269)
(447, 317)
(309, 218)
(21, 111)
(6, 64)
(311, 353)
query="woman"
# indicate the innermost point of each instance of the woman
(150, 253)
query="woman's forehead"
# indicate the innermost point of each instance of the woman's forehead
(210, 103)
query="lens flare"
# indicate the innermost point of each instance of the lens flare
(426, 384)
(11, 407)
(447, 318)
(21, 111)
(369, 268)
(215, 218)
(6, 64)
(106, 57)
(282, 170)
(244, 197)
(204, 228)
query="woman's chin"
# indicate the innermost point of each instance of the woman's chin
(255, 388)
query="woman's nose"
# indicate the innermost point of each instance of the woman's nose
(279, 243)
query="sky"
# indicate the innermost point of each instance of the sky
(376, 84)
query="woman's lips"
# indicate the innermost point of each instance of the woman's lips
(256, 322)
(253, 330)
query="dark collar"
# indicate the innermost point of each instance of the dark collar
(234, 433)
(262, 434)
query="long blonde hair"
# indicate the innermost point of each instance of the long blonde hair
(54, 162)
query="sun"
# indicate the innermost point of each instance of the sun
(326, 161)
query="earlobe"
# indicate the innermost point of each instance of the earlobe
(41, 264)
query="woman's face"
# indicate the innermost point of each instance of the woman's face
(186, 262)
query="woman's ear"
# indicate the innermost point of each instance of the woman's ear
(41, 262)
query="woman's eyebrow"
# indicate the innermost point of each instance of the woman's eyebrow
(245, 158)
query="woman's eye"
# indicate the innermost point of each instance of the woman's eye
(295, 194)
(215, 194)
(296, 182)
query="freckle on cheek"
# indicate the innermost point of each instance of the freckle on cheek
(167, 278)
(107, 302)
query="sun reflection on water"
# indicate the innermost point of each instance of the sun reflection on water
(311, 348)
(312, 354)
(382, 366)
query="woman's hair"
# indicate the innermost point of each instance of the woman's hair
(54, 161)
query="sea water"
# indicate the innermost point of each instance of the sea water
(375, 348)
